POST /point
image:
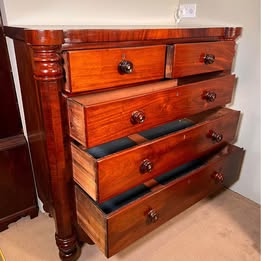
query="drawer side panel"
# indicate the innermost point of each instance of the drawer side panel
(84, 171)
(91, 219)
(76, 120)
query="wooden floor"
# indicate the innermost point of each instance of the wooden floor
(226, 227)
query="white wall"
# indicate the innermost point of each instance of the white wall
(245, 13)
(76, 12)
(14, 69)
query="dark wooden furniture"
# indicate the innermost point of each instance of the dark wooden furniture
(127, 127)
(9, 113)
(17, 190)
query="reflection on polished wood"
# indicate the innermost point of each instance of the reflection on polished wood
(74, 92)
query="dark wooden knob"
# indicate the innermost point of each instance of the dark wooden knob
(146, 166)
(137, 117)
(209, 58)
(153, 216)
(125, 67)
(217, 137)
(209, 96)
(218, 177)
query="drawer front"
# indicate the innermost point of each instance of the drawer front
(118, 229)
(105, 68)
(103, 122)
(130, 167)
(196, 58)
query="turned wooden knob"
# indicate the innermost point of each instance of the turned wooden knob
(137, 117)
(209, 96)
(125, 67)
(153, 216)
(217, 137)
(209, 58)
(146, 166)
(218, 177)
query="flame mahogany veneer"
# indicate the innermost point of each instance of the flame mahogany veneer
(83, 88)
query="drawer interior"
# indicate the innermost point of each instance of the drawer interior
(115, 203)
(133, 194)
(125, 143)
(119, 145)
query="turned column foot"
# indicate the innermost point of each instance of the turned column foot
(69, 249)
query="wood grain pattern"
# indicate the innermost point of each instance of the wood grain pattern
(122, 170)
(85, 171)
(137, 138)
(34, 124)
(17, 191)
(188, 59)
(85, 180)
(122, 93)
(86, 67)
(121, 34)
(91, 219)
(129, 223)
(159, 107)
(180, 194)
(45, 74)
(169, 61)
(74, 37)
(48, 74)
(76, 121)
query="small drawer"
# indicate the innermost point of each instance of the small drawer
(98, 118)
(112, 168)
(117, 223)
(106, 68)
(196, 58)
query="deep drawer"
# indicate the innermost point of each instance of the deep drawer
(196, 58)
(117, 223)
(98, 118)
(110, 169)
(106, 68)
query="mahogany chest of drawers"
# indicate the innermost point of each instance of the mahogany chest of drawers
(127, 127)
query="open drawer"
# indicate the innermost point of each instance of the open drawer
(117, 223)
(102, 117)
(112, 168)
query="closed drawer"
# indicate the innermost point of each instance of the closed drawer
(98, 118)
(110, 169)
(196, 58)
(117, 223)
(105, 68)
